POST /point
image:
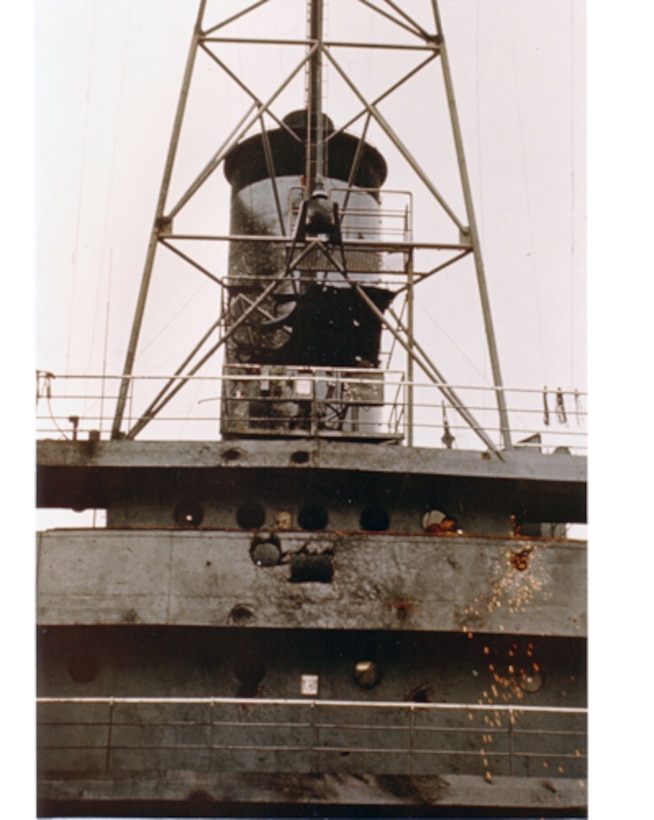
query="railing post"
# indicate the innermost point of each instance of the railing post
(412, 725)
(109, 733)
(313, 425)
(211, 725)
(511, 719)
(314, 740)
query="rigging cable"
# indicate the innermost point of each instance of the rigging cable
(106, 340)
(164, 327)
(481, 60)
(44, 389)
(572, 192)
(530, 255)
(483, 375)
(478, 113)
(80, 193)
(112, 166)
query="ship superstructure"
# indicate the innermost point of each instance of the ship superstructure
(311, 611)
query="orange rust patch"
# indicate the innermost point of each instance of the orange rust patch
(520, 560)
(402, 608)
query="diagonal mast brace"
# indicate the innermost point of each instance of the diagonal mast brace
(152, 247)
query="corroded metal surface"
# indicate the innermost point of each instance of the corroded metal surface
(192, 794)
(516, 465)
(113, 473)
(380, 581)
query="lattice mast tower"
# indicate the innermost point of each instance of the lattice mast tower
(313, 279)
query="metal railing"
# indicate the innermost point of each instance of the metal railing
(309, 736)
(389, 222)
(77, 406)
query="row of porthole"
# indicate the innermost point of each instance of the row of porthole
(250, 671)
(373, 518)
(252, 516)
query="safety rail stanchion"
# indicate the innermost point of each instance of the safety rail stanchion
(315, 739)
(412, 727)
(210, 733)
(510, 732)
(336, 741)
(109, 734)
(58, 409)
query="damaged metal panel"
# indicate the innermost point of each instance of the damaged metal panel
(372, 581)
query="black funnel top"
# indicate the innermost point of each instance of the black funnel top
(246, 162)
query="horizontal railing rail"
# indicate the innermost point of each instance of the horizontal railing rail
(310, 736)
(76, 406)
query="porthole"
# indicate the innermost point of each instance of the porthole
(233, 454)
(312, 517)
(250, 516)
(374, 518)
(311, 568)
(188, 514)
(431, 520)
(266, 551)
(439, 522)
(241, 615)
(250, 671)
(421, 694)
(367, 674)
(81, 504)
(531, 680)
(83, 668)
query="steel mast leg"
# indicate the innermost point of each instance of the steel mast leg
(154, 238)
(474, 236)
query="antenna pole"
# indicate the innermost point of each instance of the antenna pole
(410, 316)
(474, 236)
(315, 137)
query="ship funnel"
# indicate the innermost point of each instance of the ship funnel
(298, 263)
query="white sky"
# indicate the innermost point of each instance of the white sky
(620, 213)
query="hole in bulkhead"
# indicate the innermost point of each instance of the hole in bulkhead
(83, 668)
(531, 680)
(250, 671)
(266, 551)
(188, 514)
(300, 457)
(82, 503)
(374, 518)
(200, 798)
(311, 568)
(233, 454)
(520, 560)
(367, 674)
(250, 516)
(241, 615)
(438, 521)
(312, 517)
(431, 520)
(283, 519)
(421, 694)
